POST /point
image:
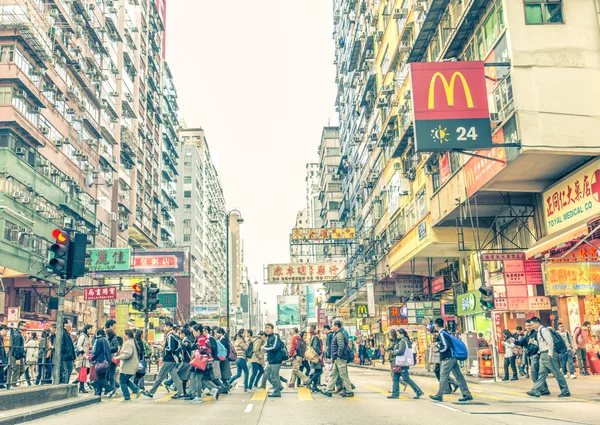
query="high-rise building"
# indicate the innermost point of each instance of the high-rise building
(86, 117)
(330, 195)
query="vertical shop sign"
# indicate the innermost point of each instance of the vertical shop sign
(371, 299)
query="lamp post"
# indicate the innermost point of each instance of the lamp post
(240, 220)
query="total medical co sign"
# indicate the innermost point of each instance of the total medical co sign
(450, 106)
(573, 199)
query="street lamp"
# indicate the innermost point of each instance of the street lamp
(240, 220)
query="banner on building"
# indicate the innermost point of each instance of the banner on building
(207, 313)
(92, 294)
(307, 273)
(109, 259)
(437, 284)
(288, 311)
(371, 299)
(311, 303)
(408, 285)
(450, 105)
(573, 199)
(398, 316)
(164, 262)
(322, 318)
(322, 235)
(572, 279)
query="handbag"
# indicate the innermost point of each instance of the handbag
(141, 366)
(102, 367)
(199, 361)
(93, 374)
(83, 374)
(406, 359)
(397, 369)
(311, 355)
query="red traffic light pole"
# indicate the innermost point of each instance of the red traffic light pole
(60, 237)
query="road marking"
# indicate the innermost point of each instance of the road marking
(304, 394)
(447, 407)
(260, 395)
(377, 389)
(490, 397)
(353, 398)
(165, 398)
(249, 408)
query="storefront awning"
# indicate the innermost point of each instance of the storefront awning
(571, 233)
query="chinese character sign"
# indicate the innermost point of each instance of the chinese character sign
(572, 279)
(307, 272)
(573, 199)
(109, 259)
(398, 316)
(161, 262)
(106, 293)
(321, 235)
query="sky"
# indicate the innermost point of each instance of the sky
(259, 78)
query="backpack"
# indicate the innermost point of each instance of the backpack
(221, 351)
(176, 351)
(459, 349)
(301, 350)
(250, 350)
(559, 343)
(232, 354)
(284, 352)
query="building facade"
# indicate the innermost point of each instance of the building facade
(426, 220)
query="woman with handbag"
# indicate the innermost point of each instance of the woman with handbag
(257, 359)
(316, 359)
(200, 367)
(129, 357)
(144, 354)
(401, 358)
(84, 344)
(101, 360)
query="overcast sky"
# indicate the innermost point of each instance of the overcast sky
(259, 78)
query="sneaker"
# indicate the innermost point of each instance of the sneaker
(125, 400)
(327, 394)
(393, 397)
(138, 394)
(466, 398)
(274, 395)
(196, 400)
(435, 398)
(564, 395)
(148, 394)
(347, 395)
(168, 388)
(418, 396)
(177, 397)
(214, 394)
(112, 393)
(573, 376)
(532, 394)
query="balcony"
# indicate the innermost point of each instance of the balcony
(429, 25)
(10, 117)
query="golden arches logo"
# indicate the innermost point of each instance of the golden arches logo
(449, 89)
(361, 310)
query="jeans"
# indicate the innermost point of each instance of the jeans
(257, 373)
(138, 380)
(44, 375)
(112, 371)
(448, 366)
(102, 383)
(566, 362)
(242, 366)
(582, 360)
(166, 369)
(126, 385)
(406, 378)
(296, 363)
(272, 374)
(549, 364)
(512, 362)
(339, 370)
(66, 368)
(315, 378)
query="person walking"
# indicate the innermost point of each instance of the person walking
(340, 353)
(519, 353)
(226, 374)
(17, 343)
(258, 359)
(305, 366)
(317, 345)
(129, 357)
(115, 345)
(3, 356)
(201, 379)
(144, 354)
(31, 357)
(274, 348)
(171, 358)
(297, 350)
(548, 362)
(242, 342)
(67, 350)
(84, 344)
(509, 356)
(399, 346)
(101, 358)
(566, 358)
(448, 364)
(434, 358)
(581, 335)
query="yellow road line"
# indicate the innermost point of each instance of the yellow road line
(490, 397)
(377, 389)
(304, 394)
(260, 395)
(165, 398)
(355, 398)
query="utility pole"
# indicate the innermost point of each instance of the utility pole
(146, 313)
(57, 358)
(227, 217)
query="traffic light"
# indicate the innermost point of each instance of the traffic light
(79, 254)
(152, 296)
(487, 297)
(138, 297)
(59, 264)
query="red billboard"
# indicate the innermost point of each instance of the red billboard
(450, 106)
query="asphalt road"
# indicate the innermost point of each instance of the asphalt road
(495, 403)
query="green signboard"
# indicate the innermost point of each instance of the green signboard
(167, 300)
(109, 259)
(468, 303)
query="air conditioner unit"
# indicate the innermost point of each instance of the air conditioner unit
(44, 163)
(430, 169)
(20, 93)
(399, 14)
(26, 200)
(110, 3)
(387, 88)
(69, 111)
(59, 144)
(374, 136)
(382, 102)
(40, 209)
(404, 46)
(91, 6)
(113, 216)
(129, 97)
(20, 151)
(114, 10)
(84, 158)
(114, 120)
(114, 94)
(44, 130)
(397, 166)
(407, 95)
(34, 109)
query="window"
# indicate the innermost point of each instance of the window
(543, 12)
(187, 237)
(421, 204)
(410, 216)
(188, 152)
(187, 222)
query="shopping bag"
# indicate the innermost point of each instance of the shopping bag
(83, 374)
(327, 372)
(93, 375)
(405, 359)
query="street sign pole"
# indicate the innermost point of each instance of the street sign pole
(59, 332)
(146, 315)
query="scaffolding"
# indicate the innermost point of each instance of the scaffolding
(27, 20)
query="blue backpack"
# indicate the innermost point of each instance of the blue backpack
(221, 351)
(459, 349)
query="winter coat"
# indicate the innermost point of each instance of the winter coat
(129, 356)
(241, 345)
(31, 351)
(172, 345)
(67, 349)
(339, 346)
(101, 350)
(273, 349)
(258, 352)
(317, 345)
(294, 342)
(84, 343)
(18, 345)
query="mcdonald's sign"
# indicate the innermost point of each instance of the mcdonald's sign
(450, 106)
(362, 311)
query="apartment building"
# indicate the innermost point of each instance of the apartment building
(426, 217)
(81, 137)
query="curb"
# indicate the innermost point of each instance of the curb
(42, 411)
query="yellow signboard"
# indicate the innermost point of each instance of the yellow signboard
(299, 234)
(307, 273)
(573, 199)
(121, 317)
(571, 279)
